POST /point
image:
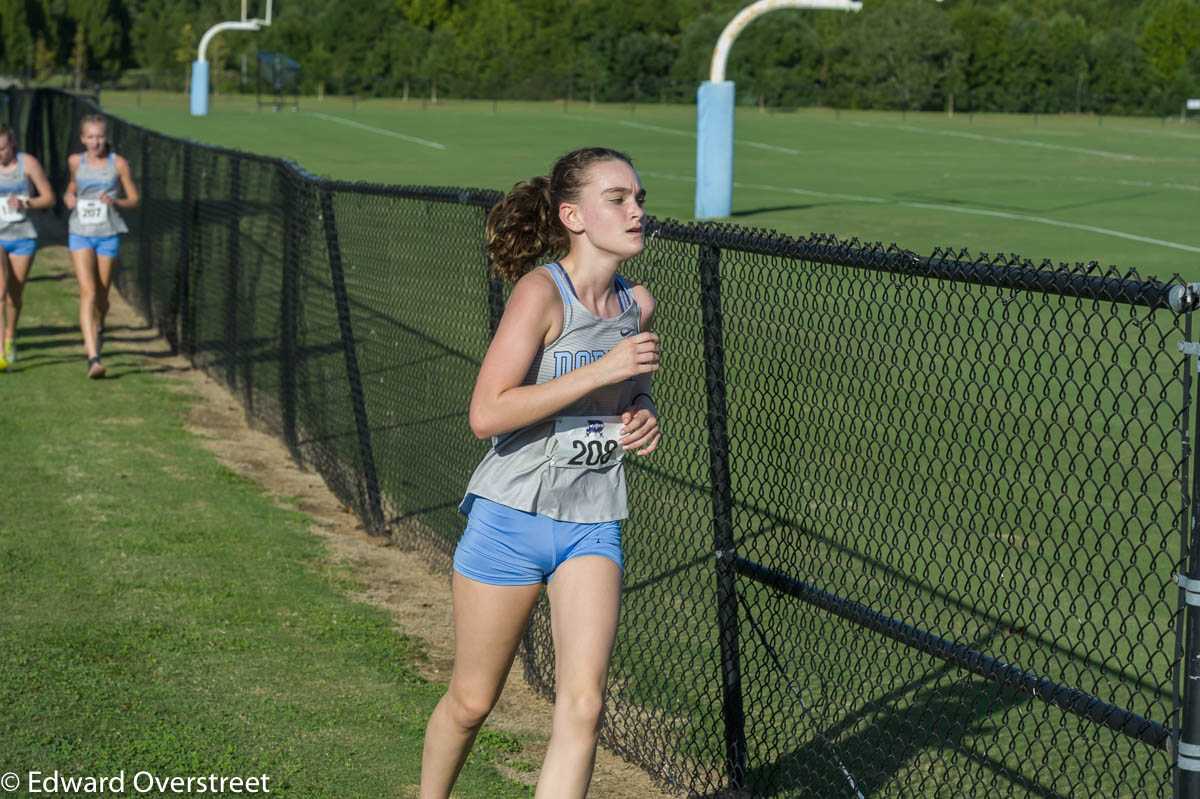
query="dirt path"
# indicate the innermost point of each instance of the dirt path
(417, 600)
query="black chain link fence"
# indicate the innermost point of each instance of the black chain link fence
(916, 525)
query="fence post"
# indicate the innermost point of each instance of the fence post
(723, 543)
(39, 107)
(374, 509)
(183, 278)
(289, 301)
(145, 184)
(233, 277)
(1187, 760)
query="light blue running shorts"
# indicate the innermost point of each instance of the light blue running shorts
(502, 546)
(108, 246)
(19, 246)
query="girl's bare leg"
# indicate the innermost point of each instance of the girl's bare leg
(17, 272)
(585, 605)
(106, 270)
(489, 621)
(4, 270)
(84, 262)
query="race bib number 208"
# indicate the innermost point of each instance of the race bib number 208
(587, 442)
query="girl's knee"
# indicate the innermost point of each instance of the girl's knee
(469, 712)
(583, 709)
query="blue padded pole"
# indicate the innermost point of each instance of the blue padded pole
(199, 88)
(714, 149)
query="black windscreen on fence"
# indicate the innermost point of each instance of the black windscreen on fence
(916, 526)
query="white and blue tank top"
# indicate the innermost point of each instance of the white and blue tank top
(90, 183)
(533, 468)
(16, 182)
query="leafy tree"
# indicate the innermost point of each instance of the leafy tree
(985, 51)
(44, 59)
(185, 44)
(394, 59)
(16, 48)
(104, 25)
(79, 55)
(779, 59)
(1119, 69)
(900, 52)
(643, 57)
(1065, 62)
(696, 48)
(439, 59)
(487, 41)
(428, 14)
(1171, 35)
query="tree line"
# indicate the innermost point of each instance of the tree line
(1116, 56)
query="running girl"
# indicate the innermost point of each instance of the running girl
(95, 227)
(23, 188)
(564, 394)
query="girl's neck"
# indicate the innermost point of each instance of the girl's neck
(591, 277)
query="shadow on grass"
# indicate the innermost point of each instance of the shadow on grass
(771, 208)
(54, 277)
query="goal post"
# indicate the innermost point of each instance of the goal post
(199, 88)
(715, 104)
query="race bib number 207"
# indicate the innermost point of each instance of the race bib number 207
(92, 212)
(587, 442)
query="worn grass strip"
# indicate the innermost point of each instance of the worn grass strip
(160, 614)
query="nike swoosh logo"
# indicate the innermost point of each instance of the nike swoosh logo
(627, 332)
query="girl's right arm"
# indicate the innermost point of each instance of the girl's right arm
(500, 403)
(45, 195)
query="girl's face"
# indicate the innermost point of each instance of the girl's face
(94, 138)
(7, 151)
(609, 212)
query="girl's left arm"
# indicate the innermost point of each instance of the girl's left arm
(642, 432)
(131, 199)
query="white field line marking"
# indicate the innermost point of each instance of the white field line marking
(1054, 222)
(380, 131)
(1145, 183)
(655, 128)
(1004, 140)
(956, 209)
(1167, 133)
(691, 135)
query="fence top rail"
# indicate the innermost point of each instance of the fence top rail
(1085, 281)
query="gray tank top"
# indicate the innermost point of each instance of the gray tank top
(16, 182)
(90, 183)
(537, 468)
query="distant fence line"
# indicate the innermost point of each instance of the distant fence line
(919, 524)
(765, 95)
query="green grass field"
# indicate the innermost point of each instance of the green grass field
(159, 613)
(1119, 191)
